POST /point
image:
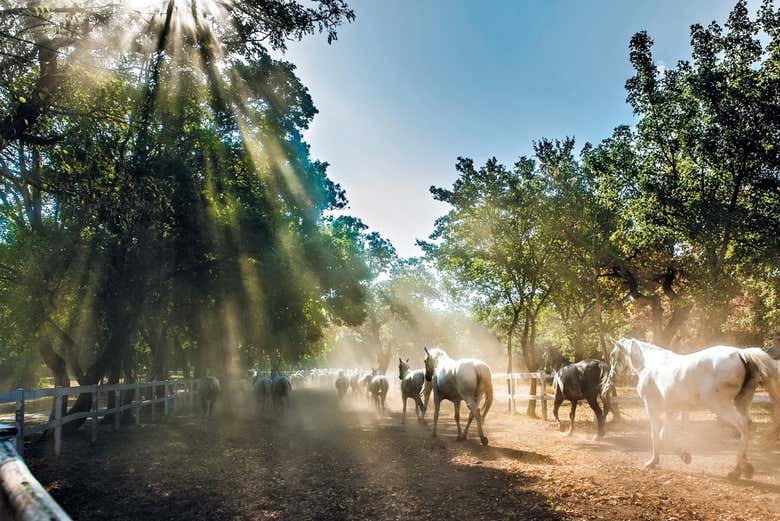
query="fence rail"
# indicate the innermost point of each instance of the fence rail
(172, 392)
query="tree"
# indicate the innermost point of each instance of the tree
(498, 245)
(708, 161)
(165, 208)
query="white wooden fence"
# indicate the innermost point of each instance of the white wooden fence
(172, 392)
(21, 495)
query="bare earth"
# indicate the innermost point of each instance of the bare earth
(330, 461)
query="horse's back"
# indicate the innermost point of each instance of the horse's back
(379, 384)
(474, 377)
(692, 379)
(413, 383)
(582, 379)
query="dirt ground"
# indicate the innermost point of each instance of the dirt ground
(327, 460)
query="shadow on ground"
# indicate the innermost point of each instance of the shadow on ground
(323, 460)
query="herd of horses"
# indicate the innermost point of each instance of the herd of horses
(722, 379)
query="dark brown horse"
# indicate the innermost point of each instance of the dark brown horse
(582, 381)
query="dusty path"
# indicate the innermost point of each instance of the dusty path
(326, 462)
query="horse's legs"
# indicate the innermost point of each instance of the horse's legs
(594, 404)
(572, 413)
(457, 419)
(477, 415)
(733, 415)
(436, 406)
(655, 437)
(403, 415)
(556, 406)
(418, 406)
(468, 424)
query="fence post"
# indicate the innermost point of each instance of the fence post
(542, 391)
(154, 404)
(165, 399)
(174, 396)
(138, 403)
(19, 421)
(509, 393)
(117, 405)
(57, 423)
(94, 411)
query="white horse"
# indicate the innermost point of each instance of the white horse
(378, 388)
(413, 385)
(466, 380)
(720, 378)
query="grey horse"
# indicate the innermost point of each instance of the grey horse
(379, 386)
(465, 380)
(354, 384)
(365, 381)
(262, 389)
(342, 384)
(208, 391)
(281, 392)
(413, 385)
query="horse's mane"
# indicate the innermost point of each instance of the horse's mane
(437, 352)
(645, 345)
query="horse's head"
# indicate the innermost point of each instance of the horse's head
(403, 368)
(431, 361)
(625, 352)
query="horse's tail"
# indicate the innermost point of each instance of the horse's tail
(606, 382)
(425, 393)
(484, 374)
(758, 362)
(557, 382)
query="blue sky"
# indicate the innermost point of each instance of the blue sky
(412, 85)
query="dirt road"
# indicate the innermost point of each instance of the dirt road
(331, 461)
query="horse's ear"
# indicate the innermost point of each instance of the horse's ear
(407, 360)
(426, 350)
(399, 360)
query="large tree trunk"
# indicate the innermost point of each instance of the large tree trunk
(531, 341)
(509, 354)
(58, 367)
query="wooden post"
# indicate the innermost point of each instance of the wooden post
(138, 403)
(117, 405)
(509, 393)
(19, 421)
(542, 391)
(153, 404)
(57, 423)
(94, 411)
(165, 399)
(175, 396)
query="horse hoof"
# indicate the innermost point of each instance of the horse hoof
(559, 427)
(747, 470)
(597, 437)
(569, 433)
(484, 440)
(685, 456)
(733, 475)
(650, 464)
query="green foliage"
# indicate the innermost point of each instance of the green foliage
(164, 210)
